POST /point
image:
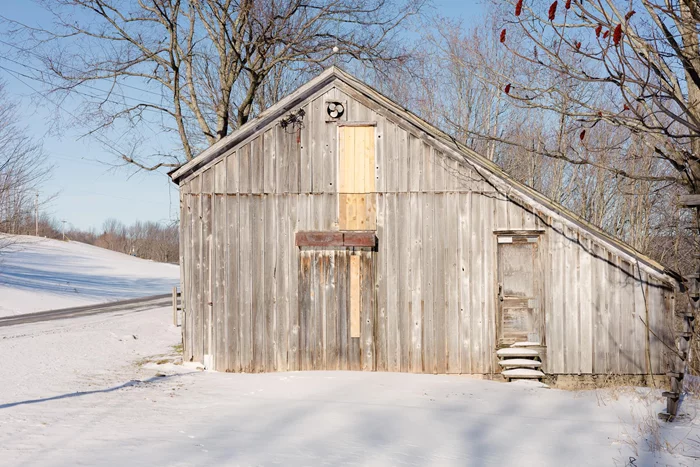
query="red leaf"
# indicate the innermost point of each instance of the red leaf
(553, 10)
(617, 35)
(629, 15)
(606, 34)
(503, 36)
(567, 5)
(626, 107)
(518, 7)
(507, 89)
(582, 135)
(600, 114)
(578, 45)
(598, 29)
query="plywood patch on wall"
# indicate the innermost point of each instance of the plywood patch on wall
(357, 204)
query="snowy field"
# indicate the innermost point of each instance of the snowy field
(89, 391)
(39, 274)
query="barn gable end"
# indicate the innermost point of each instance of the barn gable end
(427, 297)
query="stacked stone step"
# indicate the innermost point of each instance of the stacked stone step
(520, 361)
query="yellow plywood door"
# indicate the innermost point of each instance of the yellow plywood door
(357, 201)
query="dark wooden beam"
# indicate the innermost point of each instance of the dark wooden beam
(360, 238)
(690, 201)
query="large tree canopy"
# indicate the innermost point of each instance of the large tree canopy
(200, 68)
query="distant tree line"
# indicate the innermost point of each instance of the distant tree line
(147, 240)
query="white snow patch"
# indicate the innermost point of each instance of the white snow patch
(72, 394)
(38, 274)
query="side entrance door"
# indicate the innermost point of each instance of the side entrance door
(519, 311)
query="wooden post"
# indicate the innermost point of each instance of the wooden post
(175, 306)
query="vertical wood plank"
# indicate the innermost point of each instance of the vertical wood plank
(380, 154)
(416, 291)
(305, 306)
(295, 225)
(232, 173)
(367, 310)
(382, 294)
(490, 292)
(331, 324)
(292, 138)
(476, 284)
(245, 284)
(244, 174)
(427, 281)
(439, 281)
(269, 309)
(403, 280)
(585, 287)
(555, 334)
(269, 160)
(368, 154)
(614, 322)
(220, 295)
(282, 293)
(199, 305)
(427, 182)
(233, 316)
(464, 237)
(452, 321)
(306, 169)
(257, 165)
(207, 270)
(403, 159)
(281, 160)
(415, 159)
(391, 181)
(355, 299)
(343, 273)
(189, 270)
(257, 223)
(392, 304)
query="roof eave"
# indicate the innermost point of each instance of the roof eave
(262, 120)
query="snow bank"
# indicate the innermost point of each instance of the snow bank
(42, 274)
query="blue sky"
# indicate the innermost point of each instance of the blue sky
(89, 191)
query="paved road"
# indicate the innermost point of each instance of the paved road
(131, 305)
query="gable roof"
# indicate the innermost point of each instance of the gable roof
(453, 148)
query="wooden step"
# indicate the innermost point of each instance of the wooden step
(517, 352)
(522, 373)
(669, 394)
(526, 344)
(672, 374)
(520, 363)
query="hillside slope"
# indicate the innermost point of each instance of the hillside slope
(39, 274)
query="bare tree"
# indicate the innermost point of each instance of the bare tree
(635, 63)
(200, 68)
(23, 169)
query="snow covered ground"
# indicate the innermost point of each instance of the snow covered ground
(81, 392)
(38, 274)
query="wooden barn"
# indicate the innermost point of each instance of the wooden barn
(339, 231)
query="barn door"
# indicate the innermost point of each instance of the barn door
(519, 308)
(336, 309)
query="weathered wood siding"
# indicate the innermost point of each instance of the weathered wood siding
(435, 265)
